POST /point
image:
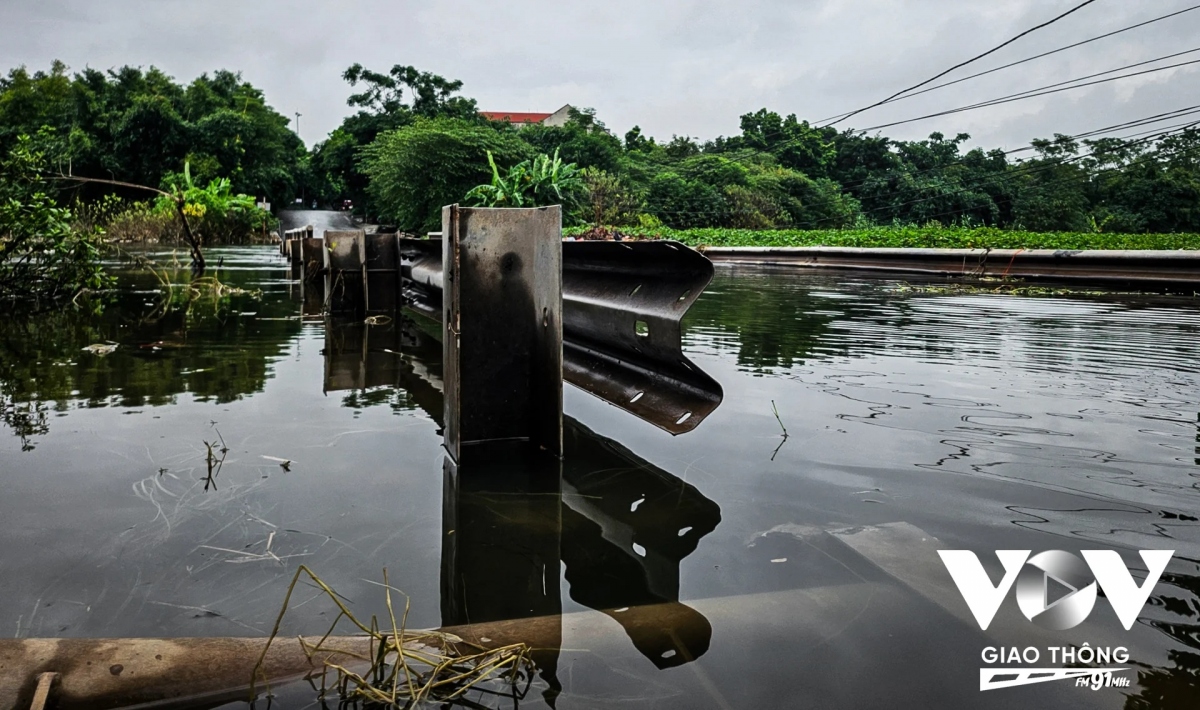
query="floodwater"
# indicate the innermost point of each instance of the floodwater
(778, 572)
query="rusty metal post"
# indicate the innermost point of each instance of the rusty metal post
(382, 272)
(294, 256)
(312, 285)
(312, 256)
(345, 272)
(502, 271)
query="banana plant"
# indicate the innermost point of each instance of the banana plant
(545, 180)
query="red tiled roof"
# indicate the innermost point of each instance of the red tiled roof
(515, 117)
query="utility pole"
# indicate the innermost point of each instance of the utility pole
(298, 124)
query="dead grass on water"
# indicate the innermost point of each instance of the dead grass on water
(406, 668)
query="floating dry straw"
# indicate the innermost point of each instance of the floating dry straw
(406, 668)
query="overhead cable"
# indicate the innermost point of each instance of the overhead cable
(1026, 59)
(1027, 95)
(977, 57)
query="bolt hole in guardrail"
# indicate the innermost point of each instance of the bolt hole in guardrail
(636, 397)
(684, 418)
(635, 289)
(642, 328)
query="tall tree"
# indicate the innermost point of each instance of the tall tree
(141, 126)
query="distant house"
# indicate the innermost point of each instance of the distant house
(558, 118)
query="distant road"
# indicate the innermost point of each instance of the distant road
(320, 220)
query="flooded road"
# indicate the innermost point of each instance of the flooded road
(172, 486)
(319, 220)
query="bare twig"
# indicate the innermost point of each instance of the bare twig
(781, 426)
(784, 439)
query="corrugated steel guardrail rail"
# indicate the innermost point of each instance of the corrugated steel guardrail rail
(622, 308)
(1160, 267)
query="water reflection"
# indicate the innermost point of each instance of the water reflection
(773, 321)
(1177, 686)
(990, 421)
(617, 525)
(215, 351)
(627, 525)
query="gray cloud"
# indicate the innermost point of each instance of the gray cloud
(675, 67)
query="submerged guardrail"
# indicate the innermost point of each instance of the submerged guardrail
(623, 304)
(1113, 266)
(520, 311)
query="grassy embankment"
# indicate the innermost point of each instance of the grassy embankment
(942, 238)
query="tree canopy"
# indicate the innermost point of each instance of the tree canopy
(417, 169)
(141, 126)
(414, 142)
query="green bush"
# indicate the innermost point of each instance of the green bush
(42, 259)
(417, 169)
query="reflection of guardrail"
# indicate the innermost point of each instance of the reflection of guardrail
(618, 524)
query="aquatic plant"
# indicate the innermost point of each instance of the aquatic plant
(928, 236)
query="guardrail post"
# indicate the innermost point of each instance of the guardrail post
(345, 272)
(382, 273)
(502, 295)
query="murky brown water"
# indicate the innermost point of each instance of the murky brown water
(977, 422)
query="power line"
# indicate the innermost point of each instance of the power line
(1027, 59)
(765, 135)
(1147, 120)
(1156, 118)
(1027, 95)
(998, 47)
(1107, 71)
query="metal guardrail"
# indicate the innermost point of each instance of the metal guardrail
(1150, 266)
(614, 310)
(623, 304)
(289, 243)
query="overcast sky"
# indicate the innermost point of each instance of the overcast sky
(688, 67)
